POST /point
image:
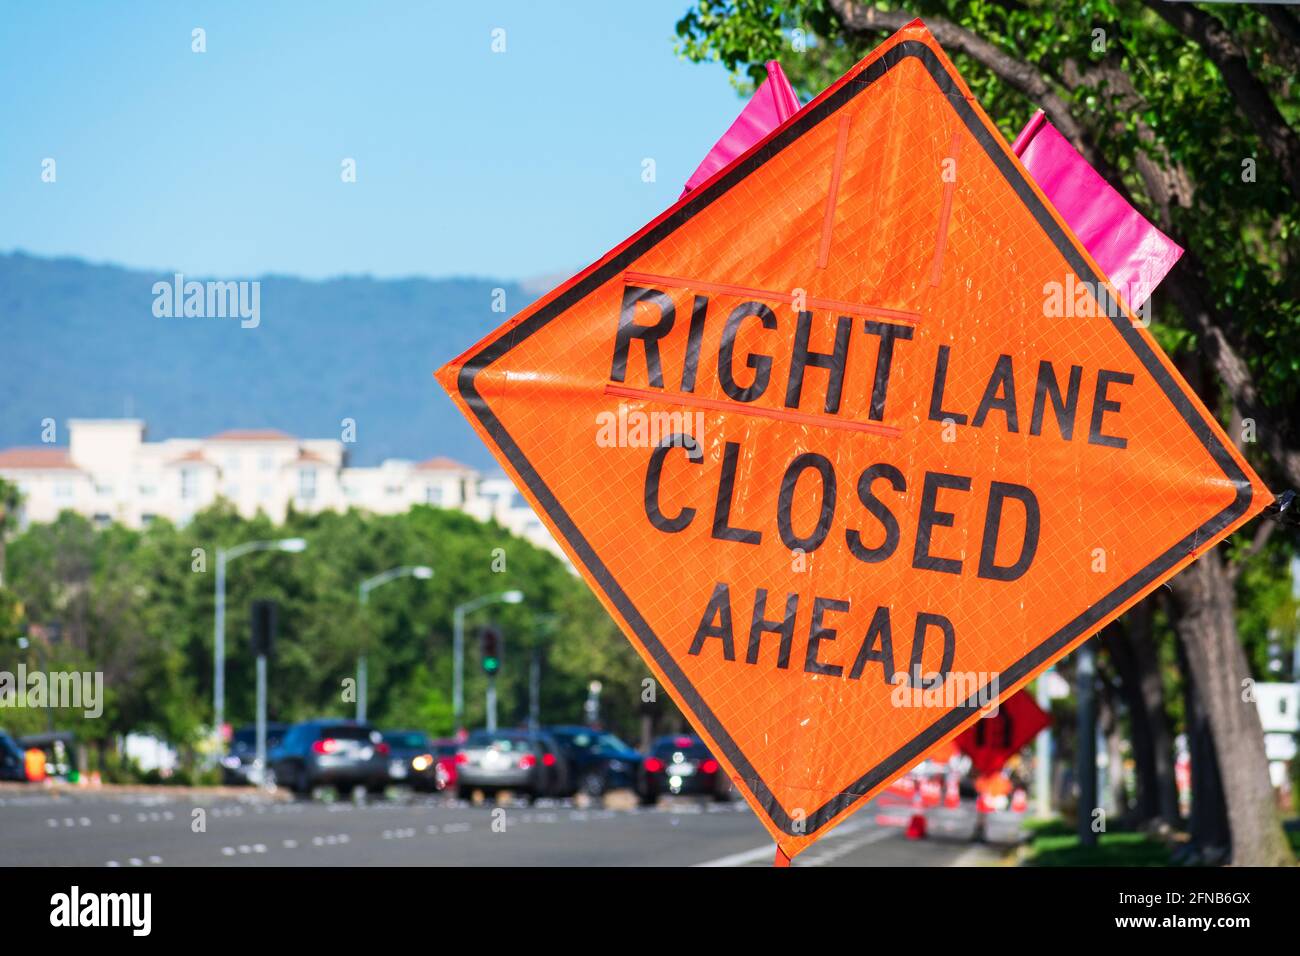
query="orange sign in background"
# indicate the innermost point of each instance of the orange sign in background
(854, 440)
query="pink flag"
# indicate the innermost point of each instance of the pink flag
(772, 103)
(1134, 254)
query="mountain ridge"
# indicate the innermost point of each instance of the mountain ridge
(81, 340)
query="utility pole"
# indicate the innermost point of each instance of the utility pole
(1043, 750)
(535, 690)
(265, 614)
(1086, 690)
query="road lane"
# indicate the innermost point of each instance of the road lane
(111, 829)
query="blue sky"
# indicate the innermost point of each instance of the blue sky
(227, 163)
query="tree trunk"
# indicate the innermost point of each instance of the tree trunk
(1204, 618)
(1119, 648)
(1208, 820)
(1164, 783)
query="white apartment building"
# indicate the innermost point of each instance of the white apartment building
(109, 472)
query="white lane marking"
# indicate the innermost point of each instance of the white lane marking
(768, 850)
(835, 852)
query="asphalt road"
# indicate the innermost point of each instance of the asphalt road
(115, 829)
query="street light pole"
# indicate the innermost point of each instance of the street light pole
(459, 613)
(423, 573)
(290, 545)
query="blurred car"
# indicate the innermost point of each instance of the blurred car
(680, 764)
(530, 764)
(239, 766)
(337, 753)
(413, 759)
(598, 761)
(12, 760)
(444, 764)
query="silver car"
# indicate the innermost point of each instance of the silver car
(528, 764)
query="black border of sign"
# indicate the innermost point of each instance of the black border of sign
(802, 122)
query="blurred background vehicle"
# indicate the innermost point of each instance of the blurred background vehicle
(338, 753)
(239, 766)
(680, 764)
(412, 759)
(598, 761)
(59, 748)
(529, 764)
(444, 764)
(12, 766)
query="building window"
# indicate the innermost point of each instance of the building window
(433, 495)
(189, 483)
(63, 490)
(102, 520)
(232, 463)
(103, 491)
(147, 519)
(307, 484)
(147, 491)
(267, 463)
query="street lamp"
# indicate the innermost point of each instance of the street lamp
(289, 545)
(458, 652)
(420, 572)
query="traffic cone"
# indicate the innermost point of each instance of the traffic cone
(1019, 801)
(952, 795)
(916, 826)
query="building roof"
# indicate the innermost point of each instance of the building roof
(307, 458)
(37, 459)
(442, 463)
(251, 434)
(192, 458)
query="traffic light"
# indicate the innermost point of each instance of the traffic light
(265, 614)
(490, 650)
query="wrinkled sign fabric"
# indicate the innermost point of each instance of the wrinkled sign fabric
(854, 439)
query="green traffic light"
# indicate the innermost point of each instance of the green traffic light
(491, 664)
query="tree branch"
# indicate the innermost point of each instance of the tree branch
(1252, 96)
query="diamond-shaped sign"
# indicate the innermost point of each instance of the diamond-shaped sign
(854, 440)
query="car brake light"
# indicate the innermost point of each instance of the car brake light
(548, 760)
(709, 766)
(382, 749)
(527, 761)
(683, 742)
(326, 746)
(653, 764)
(462, 758)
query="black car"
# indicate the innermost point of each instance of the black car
(412, 759)
(13, 766)
(238, 767)
(337, 753)
(680, 764)
(598, 761)
(529, 764)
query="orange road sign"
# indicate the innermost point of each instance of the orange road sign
(854, 440)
